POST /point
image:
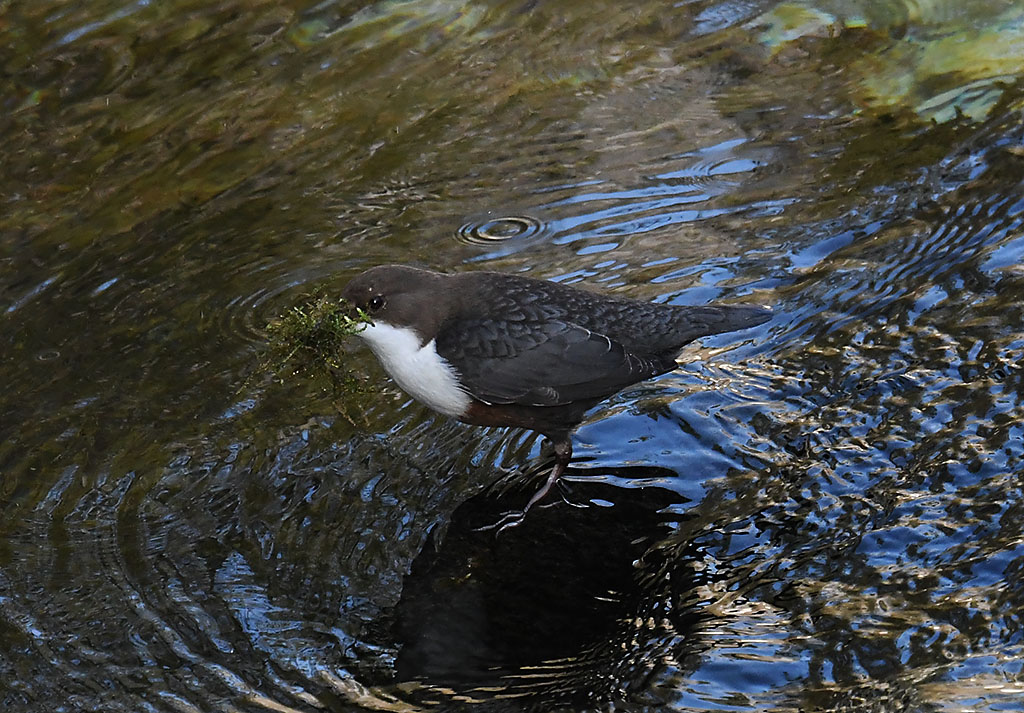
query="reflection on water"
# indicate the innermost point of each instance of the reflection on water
(826, 516)
(479, 616)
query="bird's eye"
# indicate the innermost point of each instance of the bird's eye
(376, 303)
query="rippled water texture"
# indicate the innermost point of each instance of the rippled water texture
(823, 513)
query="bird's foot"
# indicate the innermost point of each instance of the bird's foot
(516, 517)
(508, 520)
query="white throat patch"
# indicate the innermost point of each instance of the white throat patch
(419, 370)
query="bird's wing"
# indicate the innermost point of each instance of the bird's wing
(547, 362)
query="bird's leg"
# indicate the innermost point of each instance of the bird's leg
(563, 454)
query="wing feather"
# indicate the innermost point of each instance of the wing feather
(541, 363)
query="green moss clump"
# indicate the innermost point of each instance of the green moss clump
(307, 341)
(314, 332)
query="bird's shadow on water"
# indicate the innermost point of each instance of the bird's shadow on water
(544, 614)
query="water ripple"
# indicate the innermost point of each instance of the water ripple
(500, 230)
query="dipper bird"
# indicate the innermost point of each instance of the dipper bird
(493, 349)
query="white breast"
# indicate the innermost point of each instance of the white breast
(419, 370)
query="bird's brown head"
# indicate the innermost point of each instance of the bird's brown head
(399, 295)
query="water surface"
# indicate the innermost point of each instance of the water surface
(821, 514)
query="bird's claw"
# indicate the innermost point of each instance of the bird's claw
(563, 490)
(508, 520)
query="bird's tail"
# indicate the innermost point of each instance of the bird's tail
(716, 319)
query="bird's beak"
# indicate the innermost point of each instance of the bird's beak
(357, 318)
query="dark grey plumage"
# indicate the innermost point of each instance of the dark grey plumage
(516, 340)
